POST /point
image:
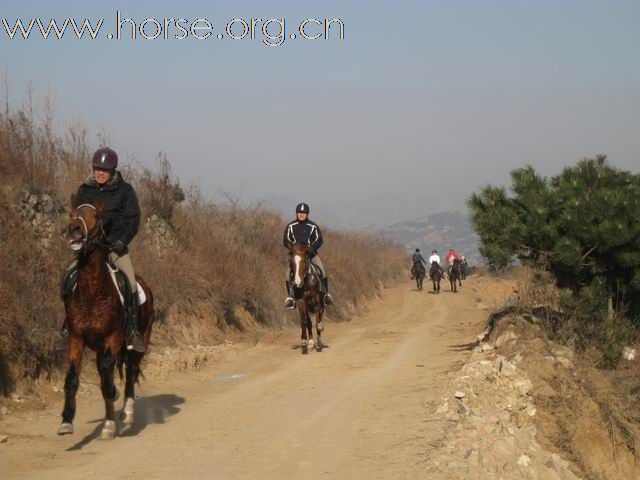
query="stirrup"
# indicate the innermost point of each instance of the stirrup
(289, 303)
(328, 299)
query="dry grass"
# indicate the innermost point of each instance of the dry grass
(225, 260)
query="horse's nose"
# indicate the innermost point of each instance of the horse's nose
(74, 231)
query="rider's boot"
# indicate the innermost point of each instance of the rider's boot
(132, 334)
(289, 303)
(328, 299)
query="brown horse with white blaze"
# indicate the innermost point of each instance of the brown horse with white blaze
(308, 293)
(96, 319)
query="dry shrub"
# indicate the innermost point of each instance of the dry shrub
(29, 345)
(580, 321)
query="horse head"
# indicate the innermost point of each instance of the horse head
(85, 225)
(299, 262)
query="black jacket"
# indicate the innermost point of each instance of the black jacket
(121, 215)
(417, 258)
(303, 232)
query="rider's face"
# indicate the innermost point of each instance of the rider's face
(302, 217)
(101, 175)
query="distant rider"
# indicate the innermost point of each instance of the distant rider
(418, 258)
(449, 258)
(434, 258)
(302, 230)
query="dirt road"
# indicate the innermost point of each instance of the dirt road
(363, 408)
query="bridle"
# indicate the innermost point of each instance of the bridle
(86, 237)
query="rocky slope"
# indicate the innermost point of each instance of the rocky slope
(524, 407)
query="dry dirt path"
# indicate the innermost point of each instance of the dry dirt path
(363, 408)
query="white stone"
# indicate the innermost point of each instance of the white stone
(505, 337)
(523, 461)
(486, 347)
(629, 353)
(459, 395)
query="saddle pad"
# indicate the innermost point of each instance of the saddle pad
(142, 297)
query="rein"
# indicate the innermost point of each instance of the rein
(99, 231)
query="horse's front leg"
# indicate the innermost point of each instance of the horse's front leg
(319, 327)
(71, 383)
(302, 309)
(132, 361)
(106, 362)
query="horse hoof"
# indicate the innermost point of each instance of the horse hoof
(108, 431)
(304, 343)
(65, 429)
(127, 411)
(320, 326)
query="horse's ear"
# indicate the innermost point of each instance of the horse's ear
(74, 201)
(100, 204)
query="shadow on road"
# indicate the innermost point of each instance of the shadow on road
(148, 410)
(463, 346)
(322, 347)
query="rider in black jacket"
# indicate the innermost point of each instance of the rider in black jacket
(303, 230)
(120, 221)
(417, 258)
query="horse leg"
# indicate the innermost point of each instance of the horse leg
(302, 309)
(319, 327)
(311, 342)
(133, 360)
(106, 362)
(71, 384)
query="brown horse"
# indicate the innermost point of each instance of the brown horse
(418, 272)
(435, 272)
(308, 294)
(95, 318)
(455, 273)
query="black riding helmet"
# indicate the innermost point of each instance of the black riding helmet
(302, 208)
(105, 158)
(417, 250)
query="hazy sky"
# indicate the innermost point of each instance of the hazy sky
(418, 106)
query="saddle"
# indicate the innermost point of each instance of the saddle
(119, 279)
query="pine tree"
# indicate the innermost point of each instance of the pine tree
(582, 225)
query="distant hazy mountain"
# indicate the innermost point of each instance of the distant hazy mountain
(439, 231)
